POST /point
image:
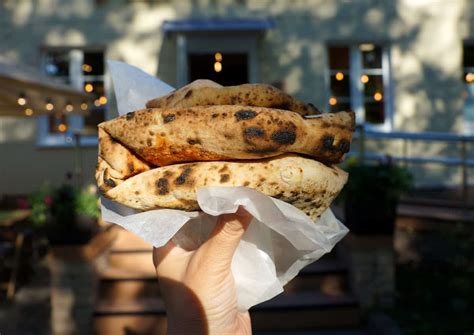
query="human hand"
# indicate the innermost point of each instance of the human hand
(198, 287)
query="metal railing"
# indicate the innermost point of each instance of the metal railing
(363, 134)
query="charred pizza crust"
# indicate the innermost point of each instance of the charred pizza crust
(164, 136)
(305, 183)
(206, 93)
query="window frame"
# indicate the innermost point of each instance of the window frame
(46, 139)
(468, 125)
(355, 71)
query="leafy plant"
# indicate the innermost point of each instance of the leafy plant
(40, 203)
(86, 203)
(61, 205)
(370, 180)
(371, 196)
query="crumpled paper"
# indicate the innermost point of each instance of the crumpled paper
(279, 242)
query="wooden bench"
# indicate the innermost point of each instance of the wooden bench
(9, 220)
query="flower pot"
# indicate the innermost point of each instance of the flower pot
(78, 232)
(371, 216)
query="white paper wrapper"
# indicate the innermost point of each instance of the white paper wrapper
(279, 242)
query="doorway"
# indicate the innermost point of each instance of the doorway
(227, 69)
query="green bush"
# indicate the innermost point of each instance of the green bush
(61, 205)
(372, 179)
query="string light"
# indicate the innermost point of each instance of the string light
(339, 76)
(49, 105)
(21, 100)
(86, 68)
(96, 102)
(364, 79)
(470, 77)
(103, 100)
(69, 107)
(217, 66)
(84, 106)
(28, 112)
(88, 88)
(332, 101)
(62, 127)
(218, 57)
(378, 96)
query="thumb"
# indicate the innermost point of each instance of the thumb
(224, 239)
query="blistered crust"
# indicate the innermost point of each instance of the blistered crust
(163, 136)
(308, 185)
(207, 94)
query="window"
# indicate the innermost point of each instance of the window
(83, 69)
(228, 60)
(358, 79)
(226, 69)
(468, 93)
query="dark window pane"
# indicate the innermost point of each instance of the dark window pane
(94, 87)
(372, 85)
(93, 63)
(468, 77)
(374, 112)
(339, 58)
(57, 123)
(371, 56)
(468, 56)
(57, 63)
(340, 85)
(340, 107)
(97, 110)
(95, 116)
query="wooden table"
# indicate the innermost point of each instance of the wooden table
(8, 221)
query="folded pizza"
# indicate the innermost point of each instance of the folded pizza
(159, 157)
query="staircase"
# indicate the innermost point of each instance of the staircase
(128, 299)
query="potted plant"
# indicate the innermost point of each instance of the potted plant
(65, 214)
(372, 195)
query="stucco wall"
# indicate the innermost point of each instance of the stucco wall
(25, 167)
(425, 39)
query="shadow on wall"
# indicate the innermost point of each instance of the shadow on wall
(27, 27)
(427, 96)
(427, 93)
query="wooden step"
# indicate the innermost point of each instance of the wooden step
(129, 325)
(117, 290)
(327, 275)
(121, 291)
(156, 324)
(313, 332)
(303, 300)
(129, 265)
(141, 261)
(301, 310)
(127, 241)
(437, 202)
(297, 301)
(306, 310)
(436, 213)
(325, 265)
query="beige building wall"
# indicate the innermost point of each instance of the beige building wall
(425, 39)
